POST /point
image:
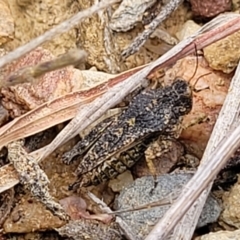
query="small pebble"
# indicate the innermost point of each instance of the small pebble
(123, 180)
(224, 54)
(206, 8)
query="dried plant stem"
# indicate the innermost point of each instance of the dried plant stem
(168, 200)
(138, 42)
(218, 151)
(29, 74)
(59, 29)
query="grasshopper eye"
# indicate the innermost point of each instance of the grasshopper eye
(181, 87)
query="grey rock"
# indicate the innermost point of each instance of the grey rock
(142, 192)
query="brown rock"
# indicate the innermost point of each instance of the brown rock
(231, 213)
(30, 216)
(206, 8)
(6, 23)
(76, 207)
(121, 181)
(221, 235)
(33, 18)
(224, 54)
(19, 98)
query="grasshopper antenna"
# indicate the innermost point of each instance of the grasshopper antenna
(195, 71)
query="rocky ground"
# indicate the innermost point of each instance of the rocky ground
(38, 110)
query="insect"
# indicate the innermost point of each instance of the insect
(119, 142)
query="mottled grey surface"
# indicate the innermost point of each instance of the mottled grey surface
(85, 229)
(141, 192)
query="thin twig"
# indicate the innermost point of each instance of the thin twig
(30, 73)
(139, 41)
(59, 29)
(168, 200)
(218, 151)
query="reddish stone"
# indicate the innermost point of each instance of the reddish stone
(206, 8)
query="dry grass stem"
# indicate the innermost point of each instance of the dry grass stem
(29, 74)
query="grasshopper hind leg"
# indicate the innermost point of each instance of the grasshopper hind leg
(83, 145)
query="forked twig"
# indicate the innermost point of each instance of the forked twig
(218, 151)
